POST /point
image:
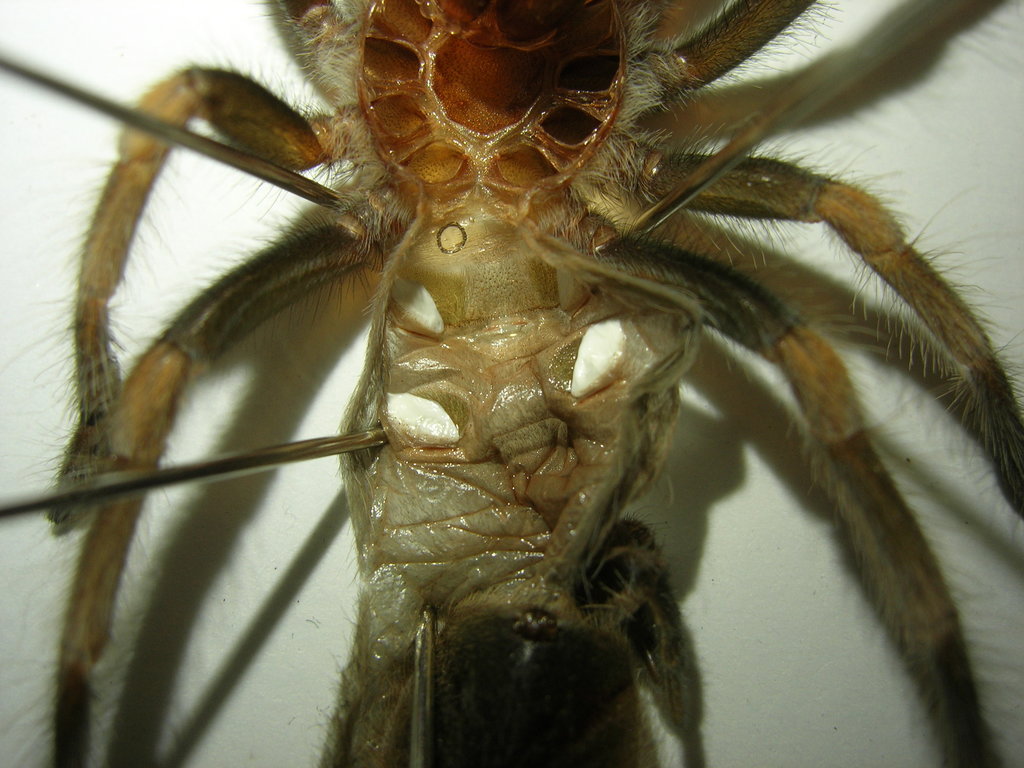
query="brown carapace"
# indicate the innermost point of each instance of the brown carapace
(505, 96)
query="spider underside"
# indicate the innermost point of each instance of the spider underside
(731, 305)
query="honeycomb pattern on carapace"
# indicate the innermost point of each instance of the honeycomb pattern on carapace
(510, 94)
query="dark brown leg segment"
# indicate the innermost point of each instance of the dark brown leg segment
(743, 29)
(249, 117)
(769, 189)
(629, 576)
(138, 426)
(899, 570)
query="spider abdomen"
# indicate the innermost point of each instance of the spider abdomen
(510, 390)
(523, 408)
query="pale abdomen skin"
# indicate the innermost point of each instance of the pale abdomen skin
(523, 410)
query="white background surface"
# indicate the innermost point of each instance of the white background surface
(796, 671)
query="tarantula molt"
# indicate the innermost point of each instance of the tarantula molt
(239, 601)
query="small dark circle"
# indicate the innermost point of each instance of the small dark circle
(451, 237)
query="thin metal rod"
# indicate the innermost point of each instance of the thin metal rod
(120, 484)
(287, 180)
(421, 727)
(820, 83)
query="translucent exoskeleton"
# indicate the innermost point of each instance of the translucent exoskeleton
(796, 670)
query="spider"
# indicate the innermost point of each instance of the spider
(738, 741)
